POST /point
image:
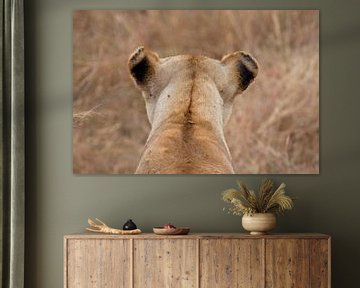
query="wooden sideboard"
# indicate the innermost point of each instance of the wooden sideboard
(197, 260)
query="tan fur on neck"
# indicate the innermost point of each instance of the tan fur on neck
(188, 100)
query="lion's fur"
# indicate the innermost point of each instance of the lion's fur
(188, 100)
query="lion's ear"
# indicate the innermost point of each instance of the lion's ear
(142, 65)
(243, 65)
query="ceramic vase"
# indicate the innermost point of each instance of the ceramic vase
(259, 223)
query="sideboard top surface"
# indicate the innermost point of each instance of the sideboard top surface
(86, 235)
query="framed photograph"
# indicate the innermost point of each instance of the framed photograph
(196, 92)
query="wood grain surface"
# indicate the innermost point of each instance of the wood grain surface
(165, 263)
(319, 263)
(287, 263)
(98, 263)
(197, 260)
(229, 263)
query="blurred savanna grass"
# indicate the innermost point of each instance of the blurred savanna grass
(274, 127)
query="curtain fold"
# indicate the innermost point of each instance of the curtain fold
(12, 198)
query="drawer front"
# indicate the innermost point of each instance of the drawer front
(98, 263)
(231, 263)
(170, 263)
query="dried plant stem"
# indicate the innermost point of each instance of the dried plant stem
(101, 227)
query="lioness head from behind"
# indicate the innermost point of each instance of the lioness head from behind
(168, 83)
(188, 101)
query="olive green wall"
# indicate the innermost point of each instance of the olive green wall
(59, 202)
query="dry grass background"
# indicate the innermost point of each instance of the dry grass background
(275, 123)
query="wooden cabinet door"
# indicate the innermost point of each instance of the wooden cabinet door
(98, 263)
(231, 263)
(320, 263)
(297, 263)
(170, 263)
(287, 263)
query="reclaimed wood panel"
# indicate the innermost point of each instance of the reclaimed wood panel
(170, 263)
(197, 260)
(287, 263)
(98, 264)
(231, 263)
(320, 263)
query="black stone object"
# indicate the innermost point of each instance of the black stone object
(129, 225)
